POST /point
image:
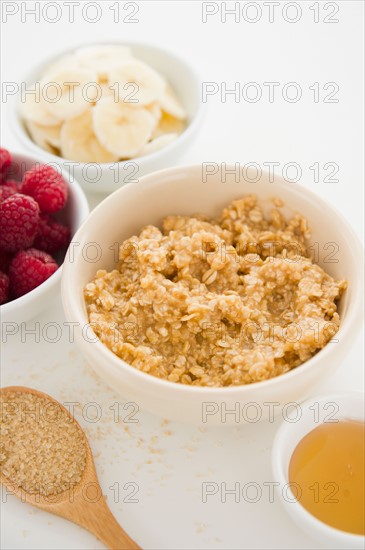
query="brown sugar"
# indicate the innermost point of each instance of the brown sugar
(42, 448)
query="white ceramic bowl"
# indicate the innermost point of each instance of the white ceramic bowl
(290, 433)
(108, 177)
(182, 190)
(28, 306)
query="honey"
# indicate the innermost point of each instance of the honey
(327, 473)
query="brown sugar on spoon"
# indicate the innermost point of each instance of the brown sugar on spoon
(46, 460)
(34, 431)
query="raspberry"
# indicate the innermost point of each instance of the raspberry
(5, 162)
(29, 269)
(4, 288)
(47, 187)
(5, 259)
(6, 191)
(19, 217)
(51, 235)
(12, 183)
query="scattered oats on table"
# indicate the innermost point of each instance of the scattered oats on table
(217, 302)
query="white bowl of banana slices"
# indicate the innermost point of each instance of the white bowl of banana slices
(110, 113)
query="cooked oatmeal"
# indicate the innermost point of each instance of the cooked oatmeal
(216, 302)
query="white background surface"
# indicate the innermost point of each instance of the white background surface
(170, 462)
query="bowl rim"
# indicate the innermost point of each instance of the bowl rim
(277, 465)
(348, 327)
(193, 125)
(82, 208)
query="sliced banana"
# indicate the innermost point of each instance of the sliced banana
(65, 62)
(65, 92)
(100, 91)
(157, 144)
(136, 83)
(34, 108)
(168, 125)
(102, 59)
(47, 137)
(100, 104)
(170, 103)
(79, 142)
(155, 111)
(106, 91)
(122, 129)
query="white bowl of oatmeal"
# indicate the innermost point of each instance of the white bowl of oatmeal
(213, 319)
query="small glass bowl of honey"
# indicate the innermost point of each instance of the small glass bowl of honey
(319, 464)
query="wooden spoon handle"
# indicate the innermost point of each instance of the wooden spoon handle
(106, 528)
(97, 518)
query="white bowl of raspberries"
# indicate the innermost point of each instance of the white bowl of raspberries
(40, 210)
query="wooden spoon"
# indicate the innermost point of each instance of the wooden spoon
(92, 512)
